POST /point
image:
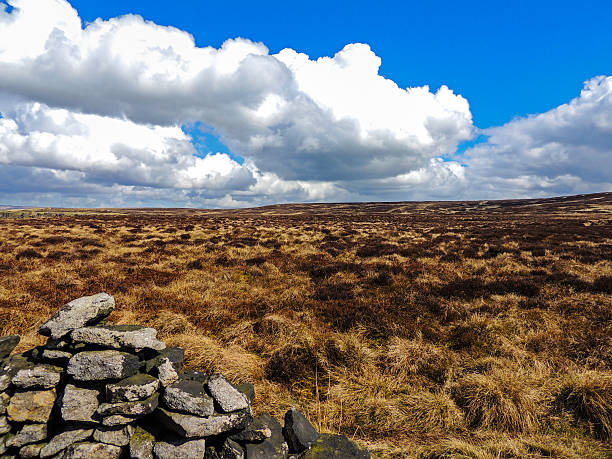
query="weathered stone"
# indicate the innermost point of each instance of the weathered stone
(182, 449)
(58, 344)
(29, 433)
(78, 313)
(119, 337)
(8, 344)
(231, 450)
(298, 431)
(274, 447)
(139, 408)
(132, 389)
(29, 451)
(118, 436)
(64, 440)
(12, 365)
(194, 426)
(100, 365)
(118, 420)
(227, 396)
(193, 375)
(38, 377)
(32, 406)
(4, 401)
(4, 425)
(255, 432)
(141, 444)
(90, 450)
(56, 356)
(335, 446)
(79, 404)
(167, 366)
(248, 390)
(190, 397)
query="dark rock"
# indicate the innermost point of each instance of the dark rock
(248, 390)
(189, 397)
(231, 450)
(132, 389)
(227, 396)
(255, 432)
(274, 447)
(101, 365)
(8, 344)
(167, 365)
(10, 368)
(192, 375)
(335, 447)
(132, 337)
(78, 313)
(298, 431)
(180, 449)
(194, 426)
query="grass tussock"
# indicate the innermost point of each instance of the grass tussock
(433, 330)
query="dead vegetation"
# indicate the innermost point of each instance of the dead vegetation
(431, 330)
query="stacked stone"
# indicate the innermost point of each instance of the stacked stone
(110, 391)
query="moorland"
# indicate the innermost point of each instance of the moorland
(426, 329)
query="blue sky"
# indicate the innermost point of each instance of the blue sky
(507, 58)
(233, 104)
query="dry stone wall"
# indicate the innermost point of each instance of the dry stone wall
(113, 391)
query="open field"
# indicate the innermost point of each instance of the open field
(433, 330)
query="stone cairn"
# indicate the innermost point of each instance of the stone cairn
(113, 391)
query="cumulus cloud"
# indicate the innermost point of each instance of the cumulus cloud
(563, 151)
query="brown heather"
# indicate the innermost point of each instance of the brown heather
(431, 330)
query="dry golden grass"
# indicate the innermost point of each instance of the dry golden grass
(431, 330)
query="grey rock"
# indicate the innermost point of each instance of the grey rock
(57, 344)
(64, 440)
(298, 431)
(3, 440)
(138, 408)
(194, 426)
(132, 389)
(8, 344)
(190, 397)
(29, 451)
(4, 425)
(90, 450)
(227, 396)
(4, 401)
(118, 420)
(56, 356)
(231, 450)
(255, 432)
(167, 365)
(181, 449)
(32, 406)
(78, 313)
(141, 444)
(335, 447)
(79, 404)
(10, 368)
(119, 337)
(29, 433)
(118, 436)
(38, 377)
(100, 365)
(274, 447)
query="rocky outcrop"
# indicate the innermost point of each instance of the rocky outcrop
(106, 391)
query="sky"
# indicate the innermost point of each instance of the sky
(218, 104)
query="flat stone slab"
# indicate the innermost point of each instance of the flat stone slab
(118, 436)
(55, 355)
(29, 433)
(90, 450)
(38, 377)
(255, 432)
(139, 408)
(32, 406)
(30, 451)
(64, 440)
(137, 387)
(8, 344)
(227, 396)
(190, 397)
(79, 404)
(194, 426)
(118, 420)
(119, 337)
(87, 310)
(101, 365)
(184, 449)
(298, 431)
